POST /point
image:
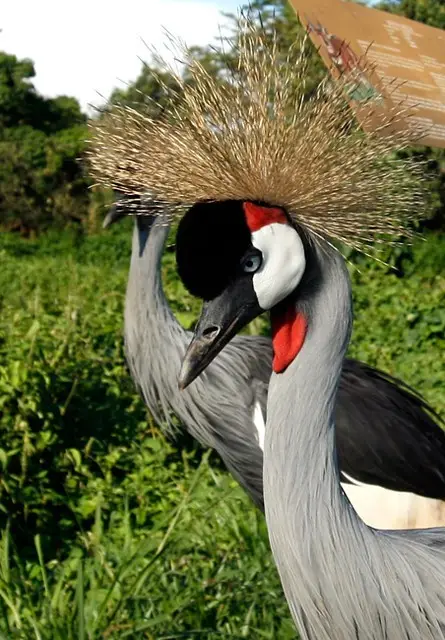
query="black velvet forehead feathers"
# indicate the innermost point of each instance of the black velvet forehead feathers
(212, 238)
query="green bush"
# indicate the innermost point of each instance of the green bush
(42, 181)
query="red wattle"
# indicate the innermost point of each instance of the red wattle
(288, 333)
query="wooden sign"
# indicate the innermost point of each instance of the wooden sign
(401, 49)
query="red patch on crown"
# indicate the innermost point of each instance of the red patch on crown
(288, 333)
(257, 216)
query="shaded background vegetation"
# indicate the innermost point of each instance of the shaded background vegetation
(109, 530)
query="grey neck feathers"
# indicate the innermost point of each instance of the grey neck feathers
(342, 579)
(300, 432)
(149, 321)
(309, 385)
(149, 238)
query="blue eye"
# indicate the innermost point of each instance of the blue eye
(251, 263)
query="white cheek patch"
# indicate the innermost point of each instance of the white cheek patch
(283, 263)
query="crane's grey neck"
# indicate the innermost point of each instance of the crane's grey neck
(149, 238)
(149, 321)
(142, 227)
(304, 502)
(309, 385)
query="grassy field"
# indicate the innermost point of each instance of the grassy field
(107, 529)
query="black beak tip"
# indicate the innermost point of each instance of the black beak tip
(199, 354)
(182, 382)
(194, 362)
(186, 376)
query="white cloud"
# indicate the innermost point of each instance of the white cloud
(89, 46)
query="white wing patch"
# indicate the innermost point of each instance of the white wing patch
(258, 421)
(386, 509)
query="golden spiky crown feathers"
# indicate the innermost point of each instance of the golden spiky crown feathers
(253, 135)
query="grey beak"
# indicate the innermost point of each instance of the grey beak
(220, 320)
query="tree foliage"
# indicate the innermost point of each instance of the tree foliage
(42, 182)
(431, 12)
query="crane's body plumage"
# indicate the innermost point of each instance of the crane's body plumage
(391, 451)
(342, 579)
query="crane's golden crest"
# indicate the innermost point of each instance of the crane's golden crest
(253, 137)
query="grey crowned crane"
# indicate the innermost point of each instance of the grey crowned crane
(391, 452)
(284, 177)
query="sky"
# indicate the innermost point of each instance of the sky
(87, 48)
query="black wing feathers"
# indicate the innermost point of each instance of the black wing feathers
(387, 434)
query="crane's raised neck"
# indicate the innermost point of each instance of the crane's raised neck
(306, 510)
(144, 289)
(324, 299)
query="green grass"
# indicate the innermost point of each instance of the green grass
(196, 570)
(108, 530)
